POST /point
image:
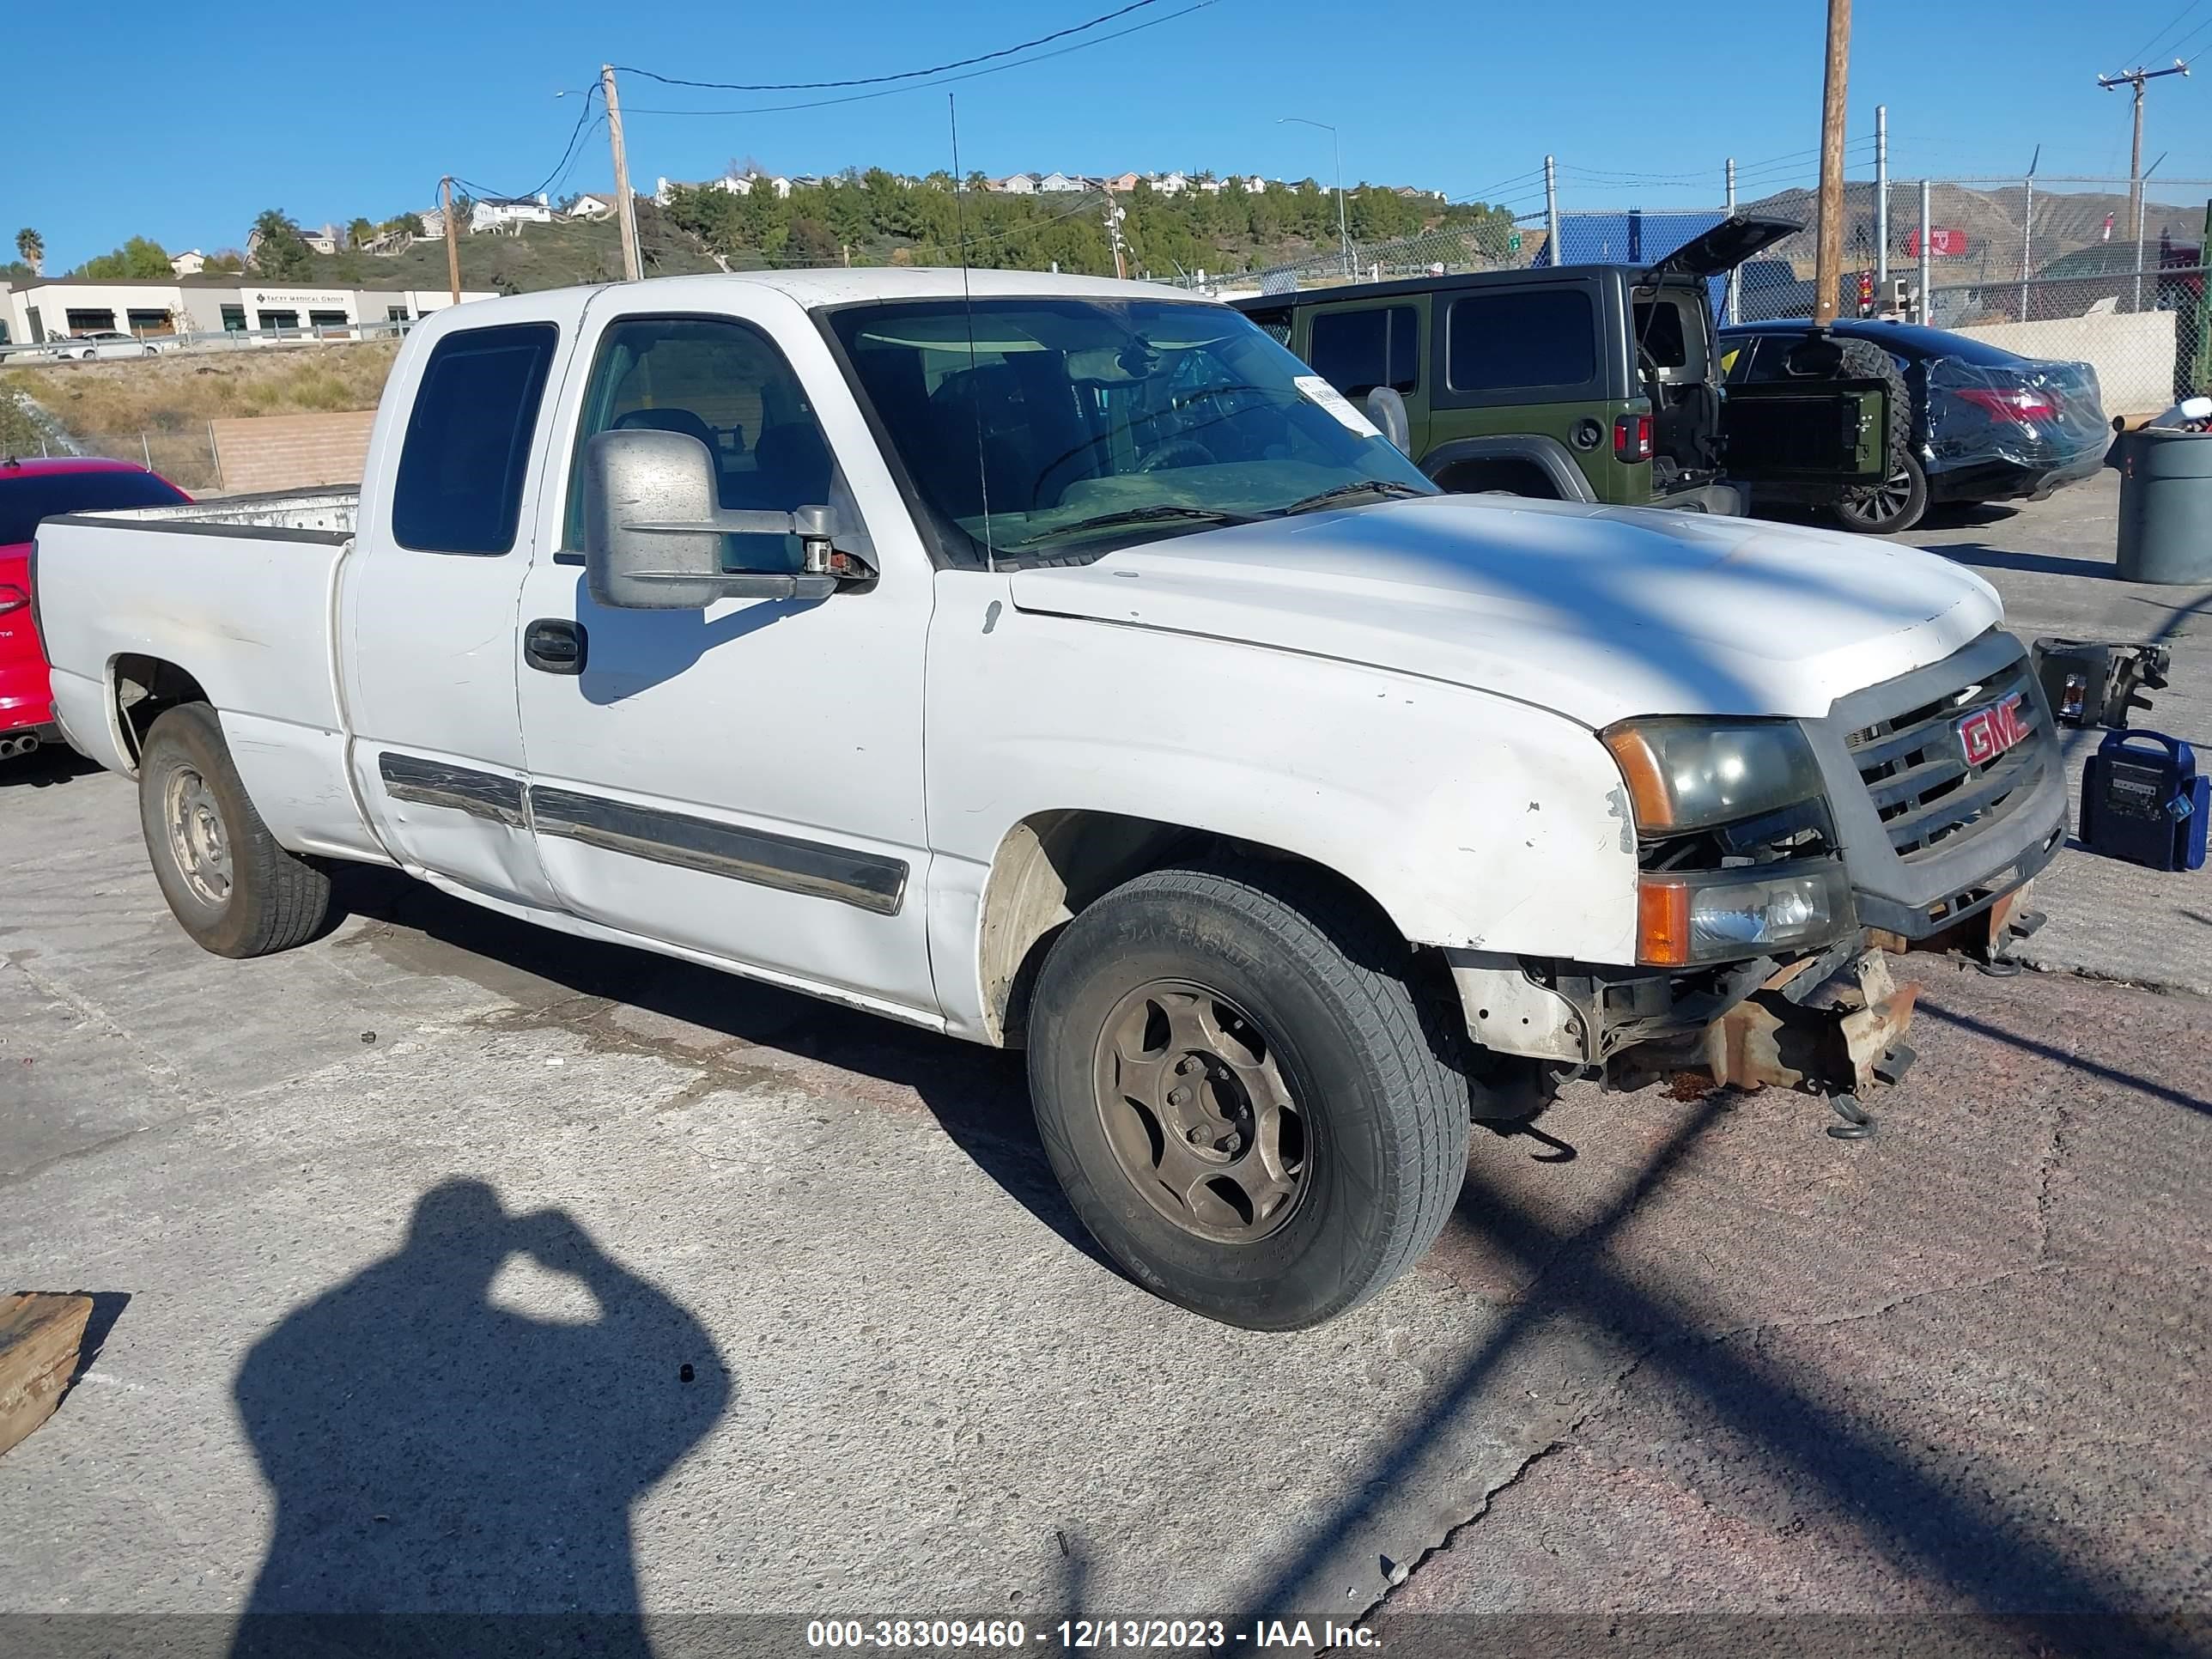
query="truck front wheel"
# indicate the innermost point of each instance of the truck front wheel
(1236, 1087)
(230, 886)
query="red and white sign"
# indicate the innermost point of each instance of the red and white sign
(1988, 732)
(1943, 243)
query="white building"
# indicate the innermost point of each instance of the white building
(590, 207)
(189, 263)
(57, 307)
(498, 215)
(1059, 184)
(1014, 183)
(1169, 183)
(1256, 185)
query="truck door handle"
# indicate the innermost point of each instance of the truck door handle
(552, 645)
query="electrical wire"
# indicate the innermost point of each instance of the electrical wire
(576, 137)
(887, 92)
(903, 74)
(2142, 53)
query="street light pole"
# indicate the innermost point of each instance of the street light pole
(1336, 156)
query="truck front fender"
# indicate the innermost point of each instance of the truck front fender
(1471, 820)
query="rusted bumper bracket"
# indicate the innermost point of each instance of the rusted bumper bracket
(1842, 1037)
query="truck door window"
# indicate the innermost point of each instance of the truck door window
(1534, 337)
(459, 488)
(1355, 351)
(723, 383)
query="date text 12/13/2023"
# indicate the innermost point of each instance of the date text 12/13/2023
(1012, 1636)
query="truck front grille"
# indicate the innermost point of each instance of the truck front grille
(1925, 788)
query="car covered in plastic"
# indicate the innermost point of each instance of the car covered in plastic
(1988, 424)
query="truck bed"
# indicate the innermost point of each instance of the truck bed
(239, 595)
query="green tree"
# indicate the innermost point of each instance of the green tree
(32, 248)
(279, 250)
(139, 259)
(811, 243)
(360, 231)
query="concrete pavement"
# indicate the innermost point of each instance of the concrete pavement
(438, 1186)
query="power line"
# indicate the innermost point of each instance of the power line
(576, 137)
(2180, 17)
(903, 74)
(887, 92)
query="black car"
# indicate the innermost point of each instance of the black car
(1988, 425)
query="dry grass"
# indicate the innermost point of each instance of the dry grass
(175, 394)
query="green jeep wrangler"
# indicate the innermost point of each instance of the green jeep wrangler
(1599, 383)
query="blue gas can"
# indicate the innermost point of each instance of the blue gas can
(2142, 800)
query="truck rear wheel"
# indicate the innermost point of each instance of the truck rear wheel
(227, 882)
(1237, 1088)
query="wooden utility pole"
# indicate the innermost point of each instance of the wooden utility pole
(625, 204)
(2136, 77)
(1828, 256)
(453, 237)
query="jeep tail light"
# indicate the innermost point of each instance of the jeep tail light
(1631, 437)
(12, 597)
(2011, 403)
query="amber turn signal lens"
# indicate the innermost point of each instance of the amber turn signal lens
(1640, 769)
(1663, 923)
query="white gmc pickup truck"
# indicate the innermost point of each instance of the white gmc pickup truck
(1056, 662)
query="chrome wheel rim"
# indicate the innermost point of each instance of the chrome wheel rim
(1197, 1112)
(1887, 500)
(199, 846)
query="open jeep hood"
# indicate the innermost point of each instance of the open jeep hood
(1723, 248)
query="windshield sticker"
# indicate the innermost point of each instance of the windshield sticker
(1321, 392)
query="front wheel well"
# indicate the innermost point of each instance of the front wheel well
(1052, 865)
(143, 688)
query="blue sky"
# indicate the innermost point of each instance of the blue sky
(197, 116)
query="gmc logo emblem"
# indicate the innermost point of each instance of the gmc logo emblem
(1988, 732)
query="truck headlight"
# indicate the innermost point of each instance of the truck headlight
(1685, 775)
(1719, 916)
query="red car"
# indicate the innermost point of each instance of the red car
(31, 490)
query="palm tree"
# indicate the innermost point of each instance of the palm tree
(33, 248)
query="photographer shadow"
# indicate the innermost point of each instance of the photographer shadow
(451, 1475)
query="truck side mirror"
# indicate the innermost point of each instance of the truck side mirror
(653, 526)
(1388, 411)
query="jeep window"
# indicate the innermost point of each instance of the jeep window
(1058, 428)
(1534, 337)
(1355, 351)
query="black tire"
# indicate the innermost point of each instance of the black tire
(1890, 509)
(227, 882)
(1864, 360)
(1382, 1110)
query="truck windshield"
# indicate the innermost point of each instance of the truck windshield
(1061, 428)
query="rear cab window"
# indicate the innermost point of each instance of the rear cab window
(467, 450)
(1520, 339)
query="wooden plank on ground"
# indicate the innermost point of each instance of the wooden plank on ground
(41, 1336)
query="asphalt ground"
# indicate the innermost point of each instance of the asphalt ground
(406, 1239)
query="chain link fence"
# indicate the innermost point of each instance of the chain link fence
(185, 455)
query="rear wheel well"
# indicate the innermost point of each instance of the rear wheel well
(1052, 865)
(1509, 473)
(144, 688)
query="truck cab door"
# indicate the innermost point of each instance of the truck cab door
(1783, 421)
(743, 782)
(427, 606)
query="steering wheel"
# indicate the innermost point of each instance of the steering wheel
(1160, 455)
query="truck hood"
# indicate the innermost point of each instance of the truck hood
(1596, 613)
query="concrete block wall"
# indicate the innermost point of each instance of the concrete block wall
(291, 451)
